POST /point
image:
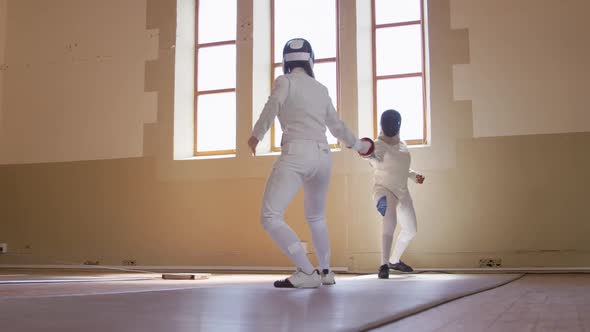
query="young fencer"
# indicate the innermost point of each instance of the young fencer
(391, 163)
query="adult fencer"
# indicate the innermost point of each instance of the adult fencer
(304, 110)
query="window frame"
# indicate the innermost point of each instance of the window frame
(198, 93)
(376, 78)
(274, 65)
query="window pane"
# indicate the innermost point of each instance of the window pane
(217, 20)
(217, 68)
(278, 71)
(277, 126)
(399, 50)
(394, 11)
(325, 73)
(405, 96)
(278, 133)
(310, 19)
(216, 122)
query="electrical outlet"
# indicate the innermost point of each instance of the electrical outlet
(129, 262)
(3, 248)
(490, 262)
(27, 249)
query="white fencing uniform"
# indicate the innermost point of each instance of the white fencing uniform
(391, 162)
(304, 109)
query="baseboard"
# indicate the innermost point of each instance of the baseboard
(510, 269)
(491, 270)
(160, 268)
(281, 268)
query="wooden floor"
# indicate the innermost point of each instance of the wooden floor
(535, 302)
(548, 302)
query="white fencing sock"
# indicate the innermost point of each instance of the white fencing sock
(401, 243)
(386, 248)
(290, 244)
(321, 242)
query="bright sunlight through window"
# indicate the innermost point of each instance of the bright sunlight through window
(215, 104)
(315, 21)
(398, 65)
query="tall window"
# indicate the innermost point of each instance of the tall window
(398, 65)
(215, 77)
(316, 21)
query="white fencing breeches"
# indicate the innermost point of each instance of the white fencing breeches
(401, 210)
(307, 164)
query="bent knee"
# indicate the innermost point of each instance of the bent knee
(270, 221)
(315, 219)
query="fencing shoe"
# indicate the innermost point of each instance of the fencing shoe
(300, 279)
(401, 266)
(328, 277)
(383, 272)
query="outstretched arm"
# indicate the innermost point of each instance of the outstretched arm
(339, 129)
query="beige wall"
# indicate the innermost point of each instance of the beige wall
(6, 194)
(519, 198)
(76, 73)
(528, 65)
(2, 51)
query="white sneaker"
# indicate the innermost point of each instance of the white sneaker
(300, 279)
(328, 277)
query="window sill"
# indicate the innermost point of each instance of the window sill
(233, 155)
(419, 146)
(221, 156)
(278, 153)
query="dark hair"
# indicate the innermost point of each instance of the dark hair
(289, 66)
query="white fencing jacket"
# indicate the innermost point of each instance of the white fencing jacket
(305, 109)
(391, 161)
